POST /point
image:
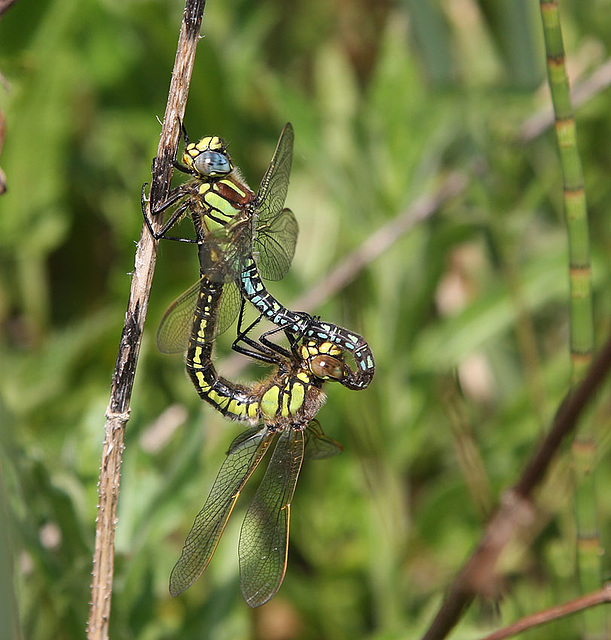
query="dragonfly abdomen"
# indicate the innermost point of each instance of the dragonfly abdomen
(352, 342)
(254, 290)
(292, 398)
(230, 400)
(303, 324)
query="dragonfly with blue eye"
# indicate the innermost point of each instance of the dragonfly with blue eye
(283, 407)
(244, 237)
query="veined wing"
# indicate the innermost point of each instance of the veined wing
(276, 229)
(243, 456)
(274, 244)
(263, 547)
(175, 327)
(224, 249)
(318, 445)
(271, 195)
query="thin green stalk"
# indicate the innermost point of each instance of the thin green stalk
(589, 551)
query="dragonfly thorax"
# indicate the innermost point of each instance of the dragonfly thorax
(291, 397)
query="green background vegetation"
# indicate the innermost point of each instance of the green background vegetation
(466, 313)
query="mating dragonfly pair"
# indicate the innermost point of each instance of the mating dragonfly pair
(243, 237)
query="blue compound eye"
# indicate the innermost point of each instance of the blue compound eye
(212, 163)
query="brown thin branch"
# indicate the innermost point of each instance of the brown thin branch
(117, 413)
(478, 575)
(553, 613)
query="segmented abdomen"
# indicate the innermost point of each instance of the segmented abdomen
(232, 400)
(306, 326)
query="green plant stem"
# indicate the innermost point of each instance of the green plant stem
(584, 449)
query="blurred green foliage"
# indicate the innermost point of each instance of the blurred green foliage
(466, 314)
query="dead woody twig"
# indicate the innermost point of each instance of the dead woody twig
(602, 596)
(478, 574)
(117, 413)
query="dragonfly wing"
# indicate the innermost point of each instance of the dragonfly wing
(218, 255)
(276, 229)
(242, 459)
(175, 326)
(263, 547)
(229, 307)
(318, 445)
(275, 183)
(274, 244)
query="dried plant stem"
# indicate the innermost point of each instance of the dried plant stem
(117, 413)
(601, 596)
(478, 576)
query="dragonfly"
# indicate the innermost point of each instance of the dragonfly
(282, 407)
(244, 237)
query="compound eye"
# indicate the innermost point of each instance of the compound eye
(325, 367)
(212, 163)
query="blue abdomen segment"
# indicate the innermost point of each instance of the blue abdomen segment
(306, 326)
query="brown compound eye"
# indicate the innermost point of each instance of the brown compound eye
(327, 367)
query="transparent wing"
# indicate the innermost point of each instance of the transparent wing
(276, 229)
(274, 244)
(175, 327)
(223, 250)
(243, 456)
(275, 183)
(229, 307)
(318, 445)
(263, 547)
(226, 250)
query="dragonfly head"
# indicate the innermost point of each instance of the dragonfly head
(324, 359)
(208, 157)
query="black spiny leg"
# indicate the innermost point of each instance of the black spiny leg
(175, 195)
(292, 338)
(253, 349)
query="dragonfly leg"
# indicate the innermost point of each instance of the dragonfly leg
(253, 349)
(174, 218)
(291, 336)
